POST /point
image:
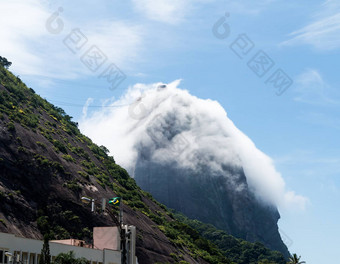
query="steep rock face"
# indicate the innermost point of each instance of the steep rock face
(213, 199)
(47, 165)
(26, 188)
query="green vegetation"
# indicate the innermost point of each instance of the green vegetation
(69, 258)
(58, 223)
(83, 174)
(45, 256)
(56, 165)
(11, 127)
(4, 62)
(183, 235)
(3, 222)
(179, 233)
(60, 146)
(42, 145)
(22, 149)
(42, 161)
(80, 152)
(68, 157)
(72, 185)
(237, 250)
(294, 259)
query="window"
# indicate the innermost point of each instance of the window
(3, 258)
(32, 258)
(24, 258)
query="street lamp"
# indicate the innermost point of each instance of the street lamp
(119, 223)
(10, 256)
(86, 199)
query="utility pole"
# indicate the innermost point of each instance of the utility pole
(122, 232)
(119, 222)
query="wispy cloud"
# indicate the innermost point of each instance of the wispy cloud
(35, 52)
(307, 157)
(321, 119)
(122, 42)
(248, 7)
(167, 11)
(323, 32)
(177, 11)
(21, 22)
(310, 164)
(311, 88)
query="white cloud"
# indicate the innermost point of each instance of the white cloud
(201, 125)
(322, 33)
(167, 11)
(86, 106)
(120, 41)
(34, 51)
(21, 21)
(248, 7)
(177, 11)
(311, 88)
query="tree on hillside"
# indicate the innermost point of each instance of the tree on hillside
(294, 259)
(103, 148)
(45, 256)
(4, 62)
(265, 261)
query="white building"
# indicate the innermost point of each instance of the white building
(105, 249)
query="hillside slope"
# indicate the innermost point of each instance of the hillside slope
(46, 165)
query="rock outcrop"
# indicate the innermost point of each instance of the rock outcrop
(213, 199)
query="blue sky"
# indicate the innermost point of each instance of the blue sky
(161, 41)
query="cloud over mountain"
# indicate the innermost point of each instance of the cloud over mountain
(178, 128)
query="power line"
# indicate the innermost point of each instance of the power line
(89, 106)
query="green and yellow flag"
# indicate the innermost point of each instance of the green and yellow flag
(115, 201)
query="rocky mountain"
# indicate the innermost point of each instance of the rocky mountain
(212, 200)
(47, 165)
(190, 156)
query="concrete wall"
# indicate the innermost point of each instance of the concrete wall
(29, 251)
(72, 242)
(107, 237)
